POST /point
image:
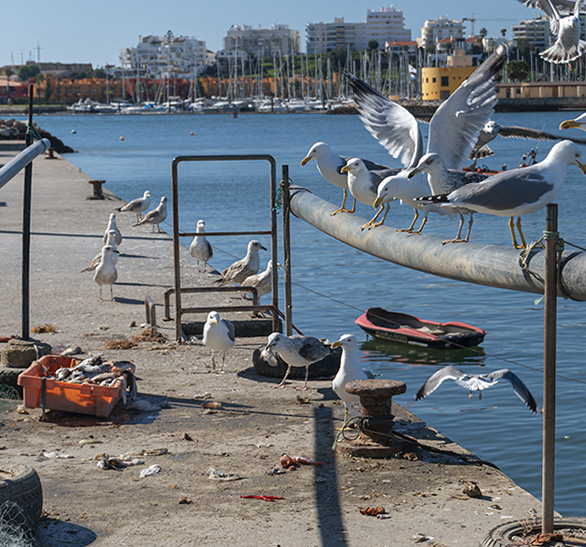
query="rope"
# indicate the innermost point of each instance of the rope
(360, 424)
(32, 130)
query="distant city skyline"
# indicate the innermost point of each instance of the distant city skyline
(70, 31)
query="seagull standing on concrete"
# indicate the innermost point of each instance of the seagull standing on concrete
(112, 226)
(243, 268)
(218, 335)
(105, 272)
(115, 253)
(477, 382)
(296, 351)
(200, 247)
(137, 205)
(156, 216)
(350, 370)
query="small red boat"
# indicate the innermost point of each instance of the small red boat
(408, 329)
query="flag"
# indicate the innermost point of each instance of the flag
(412, 73)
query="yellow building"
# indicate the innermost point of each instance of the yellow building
(67, 91)
(438, 83)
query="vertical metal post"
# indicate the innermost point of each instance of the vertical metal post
(287, 251)
(26, 225)
(274, 246)
(176, 250)
(549, 369)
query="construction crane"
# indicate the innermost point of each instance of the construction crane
(471, 19)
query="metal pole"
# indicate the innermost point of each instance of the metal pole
(549, 368)
(287, 251)
(26, 225)
(176, 250)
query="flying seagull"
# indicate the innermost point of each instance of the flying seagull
(578, 123)
(477, 382)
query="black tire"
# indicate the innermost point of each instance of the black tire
(326, 368)
(21, 496)
(9, 377)
(509, 533)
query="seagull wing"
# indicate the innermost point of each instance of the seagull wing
(436, 379)
(393, 126)
(456, 124)
(566, 5)
(229, 326)
(311, 349)
(519, 387)
(534, 134)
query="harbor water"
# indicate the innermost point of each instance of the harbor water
(334, 283)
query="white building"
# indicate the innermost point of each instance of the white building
(436, 30)
(259, 42)
(157, 56)
(384, 25)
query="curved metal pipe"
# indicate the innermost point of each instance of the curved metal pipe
(21, 160)
(488, 265)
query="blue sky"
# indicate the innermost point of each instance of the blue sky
(82, 31)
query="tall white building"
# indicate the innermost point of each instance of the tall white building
(157, 56)
(384, 25)
(436, 30)
(262, 42)
(538, 33)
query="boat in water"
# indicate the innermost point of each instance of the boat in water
(408, 329)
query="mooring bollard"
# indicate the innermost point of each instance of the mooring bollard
(97, 184)
(376, 400)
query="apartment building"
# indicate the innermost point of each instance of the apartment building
(262, 42)
(436, 30)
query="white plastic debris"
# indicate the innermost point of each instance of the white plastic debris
(152, 470)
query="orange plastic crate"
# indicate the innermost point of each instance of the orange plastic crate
(82, 398)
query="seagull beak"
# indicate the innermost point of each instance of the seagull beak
(336, 344)
(415, 171)
(345, 169)
(263, 248)
(305, 160)
(582, 167)
(567, 124)
(377, 202)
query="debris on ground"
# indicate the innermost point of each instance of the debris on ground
(287, 462)
(263, 497)
(47, 328)
(373, 511)
(149, 471)
(217, 475)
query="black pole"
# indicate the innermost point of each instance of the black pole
(287, 251)
(26, 224)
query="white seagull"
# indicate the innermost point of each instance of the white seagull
(238, 271)
(453, 130)
(296, 351)
(363, 184)
(350, 370)
(218, 335)
(477, 382)
(329, 165)
(105, 272)
(519, 191)
(137, 205)
(200, 247)
(262, 281)
(115, 253)
(568, 45)
(156, 216)
(112, 226)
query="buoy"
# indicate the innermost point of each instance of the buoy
(121, 138)
(73, 131)
(192, 133)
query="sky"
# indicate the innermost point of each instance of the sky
(81, 31)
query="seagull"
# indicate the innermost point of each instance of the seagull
(200, 247)
(453, 129)
(477, 382)
(115, 253)
(243, 268)
(578, 123)
(296, 351)
(156, 216)
(520, 191)
(492, 129)
(363, 183)
(262, 282)
(400, 187)
(329, 165)
(105, 272)
(218, 335)
(112, 226)
(349, 371)
(137, 205)
(568, 46)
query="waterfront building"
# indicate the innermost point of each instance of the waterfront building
(169, 56)
(436, 30)
(384, 25)
(261, 42)
(537, 31)
(438, 83)
(58, 90)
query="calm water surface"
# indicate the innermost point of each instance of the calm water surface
(334, 283)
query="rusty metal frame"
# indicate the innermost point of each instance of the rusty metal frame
(179, 310)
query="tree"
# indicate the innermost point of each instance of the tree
(483, 32)
(28, 71)
(503, 32)
(518, 70)
(372, 44)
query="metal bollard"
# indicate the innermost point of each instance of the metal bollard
(98, 194)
